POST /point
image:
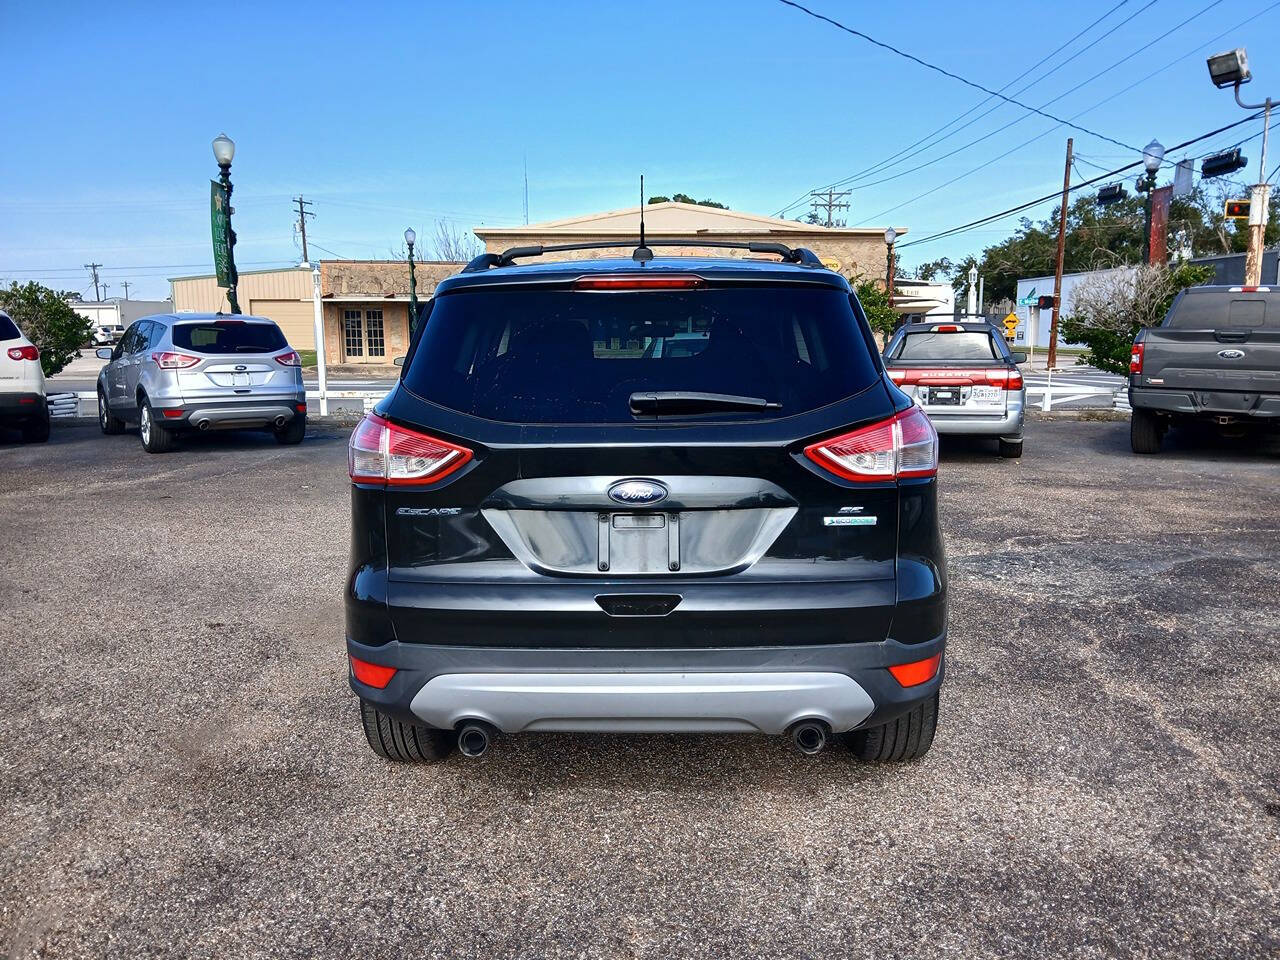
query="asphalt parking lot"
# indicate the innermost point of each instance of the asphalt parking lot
(184, 773)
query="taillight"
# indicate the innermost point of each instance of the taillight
(174, 361)
(382, 452)
(290, 359)
(372, 674)
(1135, 358)
(631, 282)
(905, 445)
(24, 353)
(1002, 377)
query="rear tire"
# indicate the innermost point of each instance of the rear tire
(906, 738)
(1145, 432)
(392, 739)
(36, 431)
(155, 438)
(1011, 449)
(293, 431)
(110, 425)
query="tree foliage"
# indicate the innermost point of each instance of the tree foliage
(685, 198)
(875, 304)
(47, 320)
(1108, 309)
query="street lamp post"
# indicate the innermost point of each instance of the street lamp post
(409, 238)
(973, 291)
(1231, 69)
(1152, 157)
(890, 237)
(224, 149)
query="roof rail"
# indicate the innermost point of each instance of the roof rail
(798, 255)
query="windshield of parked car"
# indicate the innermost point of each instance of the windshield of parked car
(962, 345)
(562, 356)
(8, 329)
(229, 336)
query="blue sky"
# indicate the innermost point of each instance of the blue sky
(390, 115)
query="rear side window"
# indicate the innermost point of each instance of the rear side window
(1209, 311)
(8, 329)
(564, 356)
(965, 345)
(229, 336)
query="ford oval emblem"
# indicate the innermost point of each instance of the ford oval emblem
(240, 367)
(1231, 354)
(637, 492)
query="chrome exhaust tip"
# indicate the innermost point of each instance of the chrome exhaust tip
(280, 421)
(474, 738)
(809, 736)
(203, 424)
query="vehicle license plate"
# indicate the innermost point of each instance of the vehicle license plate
(240, 380)
(987, 394)
(944, 395)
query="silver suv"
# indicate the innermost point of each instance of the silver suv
(201, 371)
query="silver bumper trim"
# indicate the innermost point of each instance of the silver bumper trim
(643, 702)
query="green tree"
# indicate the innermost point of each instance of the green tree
(48, 321)
(875, 304)
(1108, 310)
(685, 198)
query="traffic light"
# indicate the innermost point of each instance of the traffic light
(1111, 193)
(1045, 303)
(1221, 164)
(1236, 210)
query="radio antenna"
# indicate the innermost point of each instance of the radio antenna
(642, 253)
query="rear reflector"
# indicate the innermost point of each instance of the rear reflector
(371, 674)
(632, 282)
(301, 407)
(918, 672)
(382, 452)
(174, 361)
(172, 414)
(27, 400)
(1136, 357)
(905, 445)
(290, 359)
(24, 353)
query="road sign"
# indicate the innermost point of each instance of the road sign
(218, 224)
(1236, 210)
(1029, 300)
(1010, 325)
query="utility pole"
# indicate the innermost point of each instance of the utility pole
(125, 284)
(1259, 208)
(832, 201)
(93, 270)
(1057, 269)
(303, 213)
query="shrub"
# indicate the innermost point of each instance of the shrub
(44, 316)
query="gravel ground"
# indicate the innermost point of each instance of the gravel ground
(184, 774)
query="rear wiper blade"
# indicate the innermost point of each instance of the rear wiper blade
(684, 401)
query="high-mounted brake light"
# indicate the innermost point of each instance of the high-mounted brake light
(917, 672)
(174, 361)
(1136, 357)
(371, 674)
(1250, 290)
(905, 445)
(382, 452)
(632, 282)
(947, 328)
(290, 359)
(24, 353)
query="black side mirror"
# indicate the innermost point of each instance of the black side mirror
(1019, 357)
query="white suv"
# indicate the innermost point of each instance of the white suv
(22, 402)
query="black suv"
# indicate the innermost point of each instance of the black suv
(556, 526)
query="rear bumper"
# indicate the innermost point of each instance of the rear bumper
(741, 689)
(1205, 403)
(20, 407)
(249, 413)
(1007, 424)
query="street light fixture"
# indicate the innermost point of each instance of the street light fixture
(1152, 157)
(409, 238)
(890, 237)
(1231, 69)
(224, 149)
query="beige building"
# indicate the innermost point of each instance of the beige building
(365, 303)
(852, 251)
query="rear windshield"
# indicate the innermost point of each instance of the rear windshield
(8, 329)
(947, 346)
(561, 356)
(1208, 311)
(229, 336)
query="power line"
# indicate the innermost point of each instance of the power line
(891, 160)
(1056, 193)
(955, 76)
(832, 201)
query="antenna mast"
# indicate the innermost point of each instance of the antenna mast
(642, 253)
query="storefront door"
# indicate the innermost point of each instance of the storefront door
(363, 336)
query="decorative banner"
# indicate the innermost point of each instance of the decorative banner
(218, 223)
(1160, 198)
